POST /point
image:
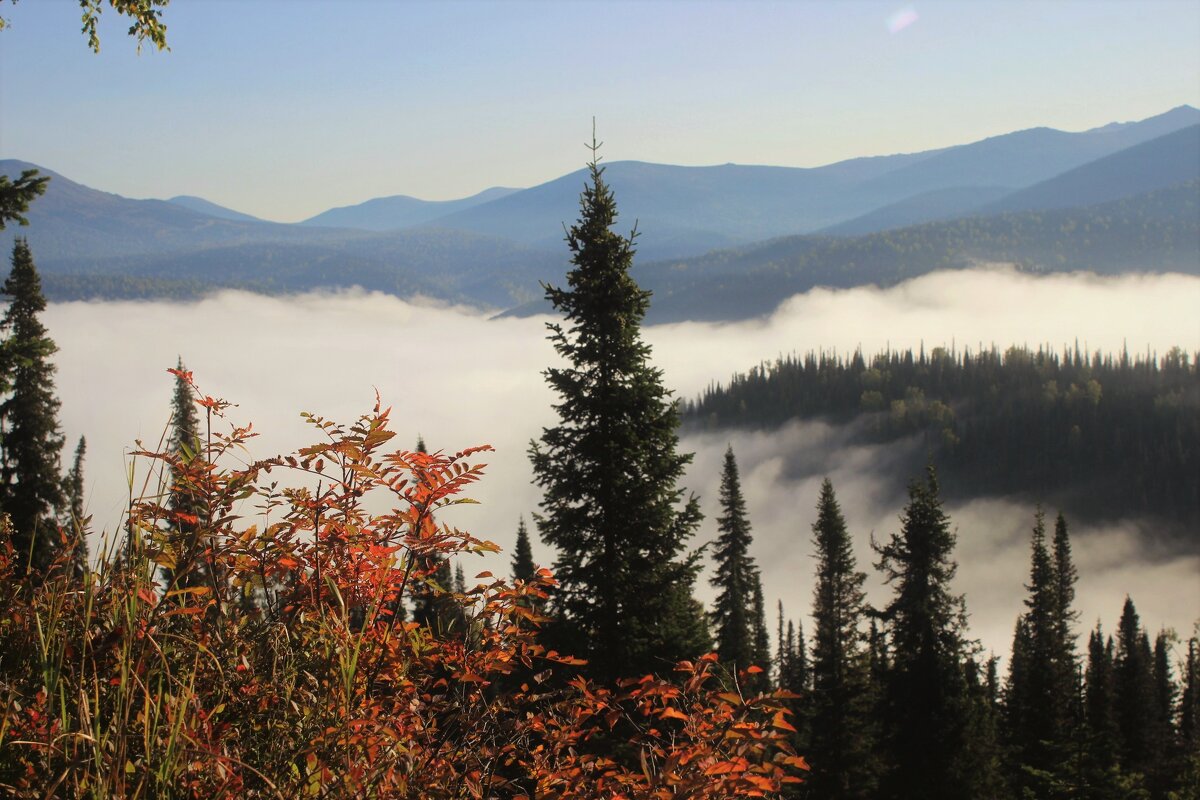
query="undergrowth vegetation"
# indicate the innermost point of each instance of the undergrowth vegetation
(252, 642)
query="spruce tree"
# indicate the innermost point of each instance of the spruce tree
(1134, 689)
(460, 580)
(761, 652)
(1165, 762)
(31, 490)
(1065, 577)
(926, 697)
(1100, 708)
(840, 753)
(188, 511)
(523, 568)
(983, 752)
(1037, 701)
(75, 524)
(15, 195)
(436, 608)
(1189, 723)
(73, 485)
(735, 578)
(795, 676)
(610, 468)
(1189, 701)
(433, 578)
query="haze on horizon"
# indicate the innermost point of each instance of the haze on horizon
(283, 110)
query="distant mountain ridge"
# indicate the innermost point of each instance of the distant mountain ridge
(1154, 164)
(1144, 167)
(212, 209)
(737, 204)
(732, 229)
(400, 211)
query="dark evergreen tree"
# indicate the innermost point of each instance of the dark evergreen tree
(460, 580)
(1166, 761)
(761, 654)
(735, 578)
(926, 696)
(15, 195)
(1103, 737)
(781, 653)
(523, 568)
(73, 485)
(433, 579)
(1189, 701)
(1189, 723)
(983, 756)
(188, 511)
(610, 468)
(1065, 578)
(795, 676)
(1134, 693)
(1040, 685)
(31, 490)
(841, 745)
(435, 606)
(75, 525)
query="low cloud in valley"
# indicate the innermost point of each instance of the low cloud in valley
(458, 379)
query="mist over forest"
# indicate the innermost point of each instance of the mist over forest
(457, 378)
(827, 428)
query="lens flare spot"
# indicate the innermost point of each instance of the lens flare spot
(902, 19)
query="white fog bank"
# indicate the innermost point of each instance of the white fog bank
(459, 379)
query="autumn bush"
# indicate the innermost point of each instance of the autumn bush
(251, 642)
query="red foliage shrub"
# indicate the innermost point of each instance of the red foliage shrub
(286, 670)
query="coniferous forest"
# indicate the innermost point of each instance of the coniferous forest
(1099, 434)
(302, 625)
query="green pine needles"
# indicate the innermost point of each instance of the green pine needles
(610, 468)
(31, 485)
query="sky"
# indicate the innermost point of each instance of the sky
(459, 379)
(284, 108)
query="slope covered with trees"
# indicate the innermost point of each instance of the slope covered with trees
(1156, 231)
(1101, 435)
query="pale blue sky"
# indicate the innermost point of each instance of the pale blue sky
(283, 108)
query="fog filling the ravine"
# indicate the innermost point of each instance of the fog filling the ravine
(458, 379)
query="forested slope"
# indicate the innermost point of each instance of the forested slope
(1153, 232)
(1102, 436)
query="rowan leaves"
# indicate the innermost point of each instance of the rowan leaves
(290, 672)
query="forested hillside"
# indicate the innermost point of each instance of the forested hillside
(1106, 436)
(1153, 232)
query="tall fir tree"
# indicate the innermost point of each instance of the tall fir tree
(926, 703)
(761, 653)
(1189, 700)
(610, 468)
(75, 524)
(1103, 734)
(1189, 723)
(188, 510)
(31, 487)
(1065, 578)
(1133, 674)
(842, 742)
(432, 578)
(1038, 726)
(1167, 761)
(736, 579)
(795, 675)
(523, 568)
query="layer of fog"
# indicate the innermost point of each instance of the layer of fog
(459, 379)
